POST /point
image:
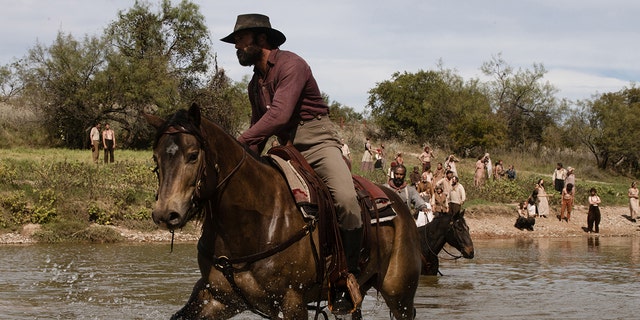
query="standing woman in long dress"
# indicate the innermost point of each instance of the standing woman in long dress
(367, 157)
(543, 201)
(489, 165)
(633, 201)
(478, 177)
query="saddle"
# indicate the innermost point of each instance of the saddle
(315, 202)
(307, 190)
(314, 199)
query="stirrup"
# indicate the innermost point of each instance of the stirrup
(345, 300)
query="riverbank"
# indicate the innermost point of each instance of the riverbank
(485, 222)
(492, 222)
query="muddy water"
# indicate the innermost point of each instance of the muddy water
(576, 278)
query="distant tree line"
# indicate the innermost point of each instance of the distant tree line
(516, 109)
(161, 60)
(144, 61)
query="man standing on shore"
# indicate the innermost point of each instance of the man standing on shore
(94, 135)
(109, 143)
(558, 177)
(457, 196)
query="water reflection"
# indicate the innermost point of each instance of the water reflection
(520, 278)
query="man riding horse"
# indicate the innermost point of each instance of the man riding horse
(286, 102)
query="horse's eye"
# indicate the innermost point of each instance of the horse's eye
(192, 157)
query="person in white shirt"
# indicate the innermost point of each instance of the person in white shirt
(457, 196)
(94, 135)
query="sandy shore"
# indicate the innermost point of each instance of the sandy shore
(485, 222)
(498, 222)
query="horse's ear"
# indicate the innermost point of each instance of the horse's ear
(153, 120)
(460, 214)
(194, 114)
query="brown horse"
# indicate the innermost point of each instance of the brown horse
(256, 251)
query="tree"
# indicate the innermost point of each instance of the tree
(436, 107)
(521, 100)
(473, 128)
(340, 113)
(607, 126)
(158, 59)
(59, 82)
(10, 82)
(145, 60)
(412, 106)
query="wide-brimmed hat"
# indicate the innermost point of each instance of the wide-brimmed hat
(256, 21)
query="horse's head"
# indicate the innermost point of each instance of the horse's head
(179, 153)
(460, 237)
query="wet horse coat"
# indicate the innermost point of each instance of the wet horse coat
(247, 210)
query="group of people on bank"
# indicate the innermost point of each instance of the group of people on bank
(106, 138)
(564, 182)
(430, 191)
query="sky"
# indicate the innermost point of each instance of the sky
(587, 47)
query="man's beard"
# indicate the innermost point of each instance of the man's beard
(249, 56)
(397, 182)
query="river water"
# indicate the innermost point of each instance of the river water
(574, 278)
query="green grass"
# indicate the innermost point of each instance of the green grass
(63, 189)
(70, 195)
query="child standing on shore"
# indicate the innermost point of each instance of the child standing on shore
(567, 202)
(593, 217)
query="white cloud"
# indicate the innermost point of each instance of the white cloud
(576, 85)
(587, 46)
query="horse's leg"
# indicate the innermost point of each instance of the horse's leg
(293, 306)
(399, 299)
(203, 305)
(401, 280)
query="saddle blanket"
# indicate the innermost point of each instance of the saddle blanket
(299, 187)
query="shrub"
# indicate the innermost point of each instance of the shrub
(45, 210)
(98, 234)
(59, 230)
(98, 215)
(16, 205)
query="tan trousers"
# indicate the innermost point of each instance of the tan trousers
(317, 140)
(96, 150)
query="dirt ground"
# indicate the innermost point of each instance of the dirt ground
(485, 222)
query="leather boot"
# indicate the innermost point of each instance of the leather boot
(351, 240)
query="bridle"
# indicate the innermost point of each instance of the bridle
(196, 197)
(453, 257)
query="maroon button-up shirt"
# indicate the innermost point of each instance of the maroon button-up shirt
(281, 98)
